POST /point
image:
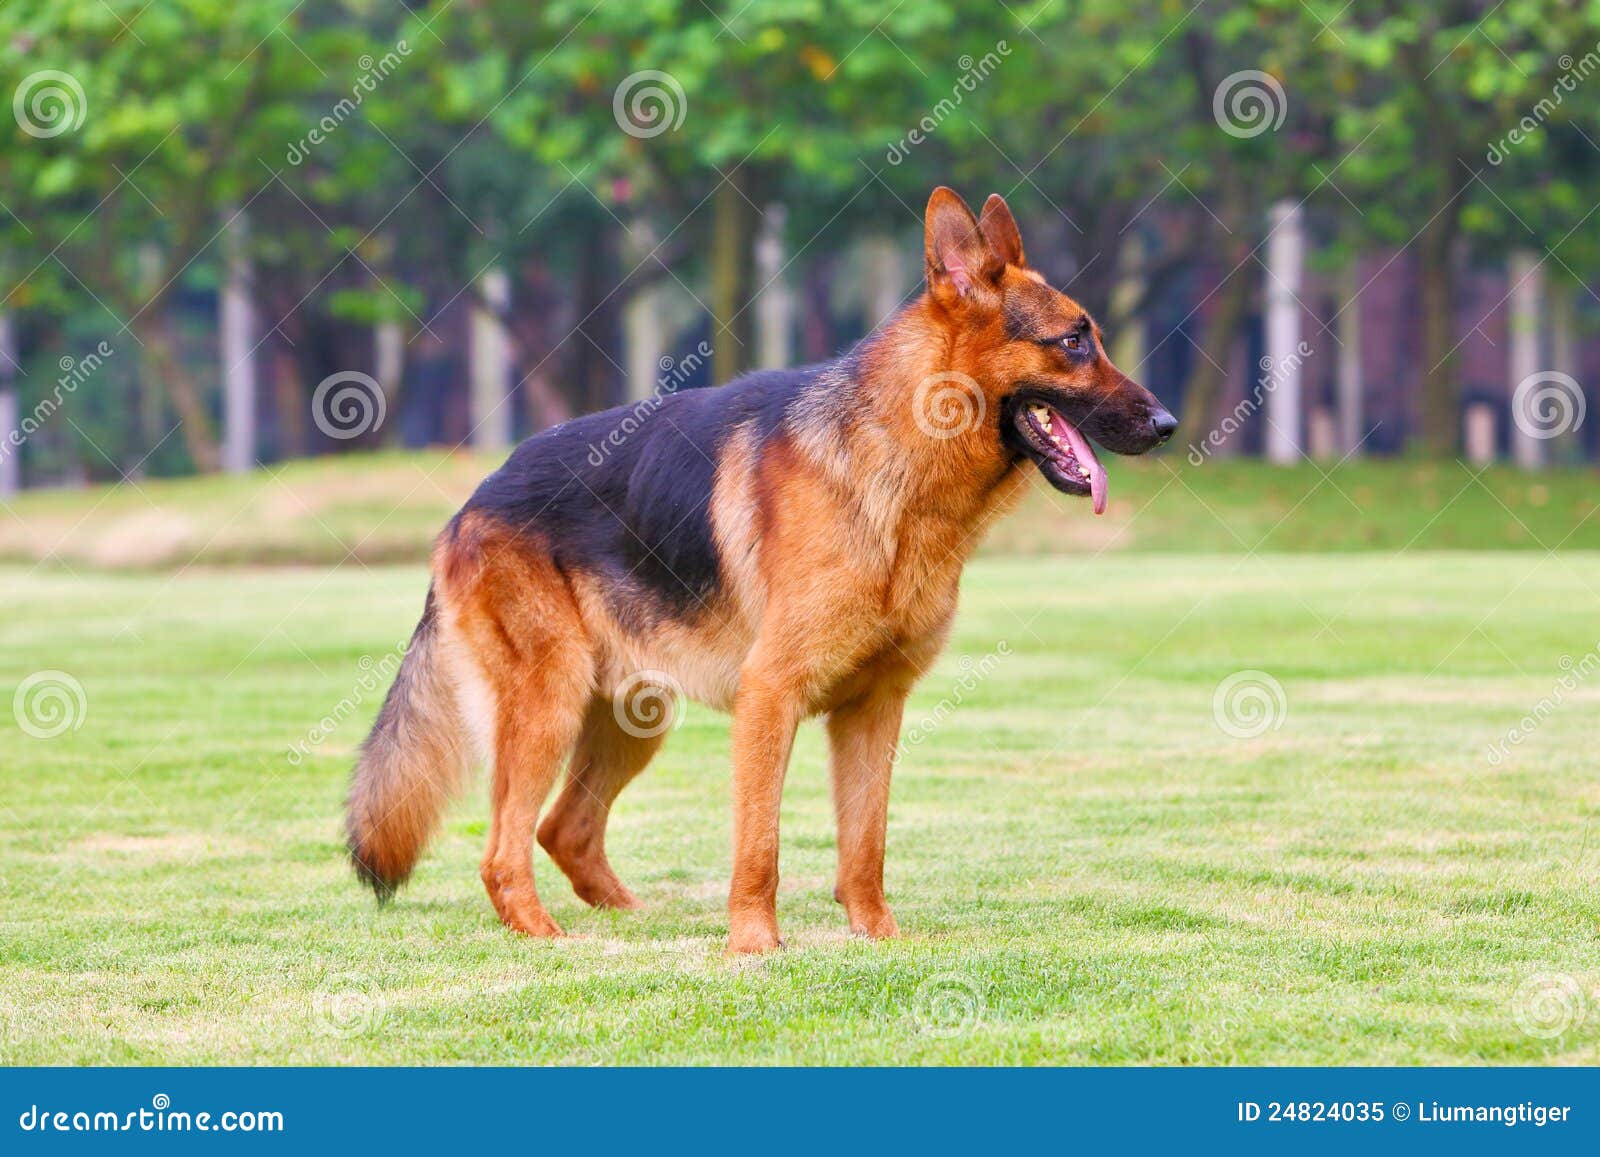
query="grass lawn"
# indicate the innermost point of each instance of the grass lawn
(1088, 866)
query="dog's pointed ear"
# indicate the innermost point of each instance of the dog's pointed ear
(959, 259)
(1000, 230)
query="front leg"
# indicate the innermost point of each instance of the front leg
(766, 712)
(863, 735)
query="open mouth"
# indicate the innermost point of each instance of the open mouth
(1061, 452)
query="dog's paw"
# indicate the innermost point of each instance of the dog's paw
(879, 925)
(752, 940)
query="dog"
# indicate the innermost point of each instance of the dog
(787, 545)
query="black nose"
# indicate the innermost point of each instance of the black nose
(1164, 424)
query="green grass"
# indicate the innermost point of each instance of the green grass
(386, 508)
(1087, 868)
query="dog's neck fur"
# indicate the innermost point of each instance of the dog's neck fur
(890, 467)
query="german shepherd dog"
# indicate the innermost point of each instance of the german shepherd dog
(787, 545)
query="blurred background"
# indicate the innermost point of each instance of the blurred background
(246, 232)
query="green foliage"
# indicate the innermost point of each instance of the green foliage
(503, 133)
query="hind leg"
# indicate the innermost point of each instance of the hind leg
(533, 737)
(528, 674)
(608, 756)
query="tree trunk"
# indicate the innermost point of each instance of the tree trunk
(152, 410)
(883, 274)
(1349, 385)
(1285, 278)
(490, 363)
(162, 364)
(774, 303)
(1439, 425)
(644, 330)
(238, 327)
(1206, 379)
(594, 374)
(732, 237)
(389, 367)
(1561, 307)
(535, 321)
(1128, 336)
(10, 412)
(1528, 447)
(289, 398)
(818, 326)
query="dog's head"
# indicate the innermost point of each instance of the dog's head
(1036, 354)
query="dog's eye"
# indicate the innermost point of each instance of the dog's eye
(1072, 341)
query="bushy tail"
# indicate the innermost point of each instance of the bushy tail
(417, 757)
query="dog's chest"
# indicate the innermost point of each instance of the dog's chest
(918, 591)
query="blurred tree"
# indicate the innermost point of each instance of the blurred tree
(1441, 84)
(138, 126)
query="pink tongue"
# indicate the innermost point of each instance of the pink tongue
(1086, 459)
